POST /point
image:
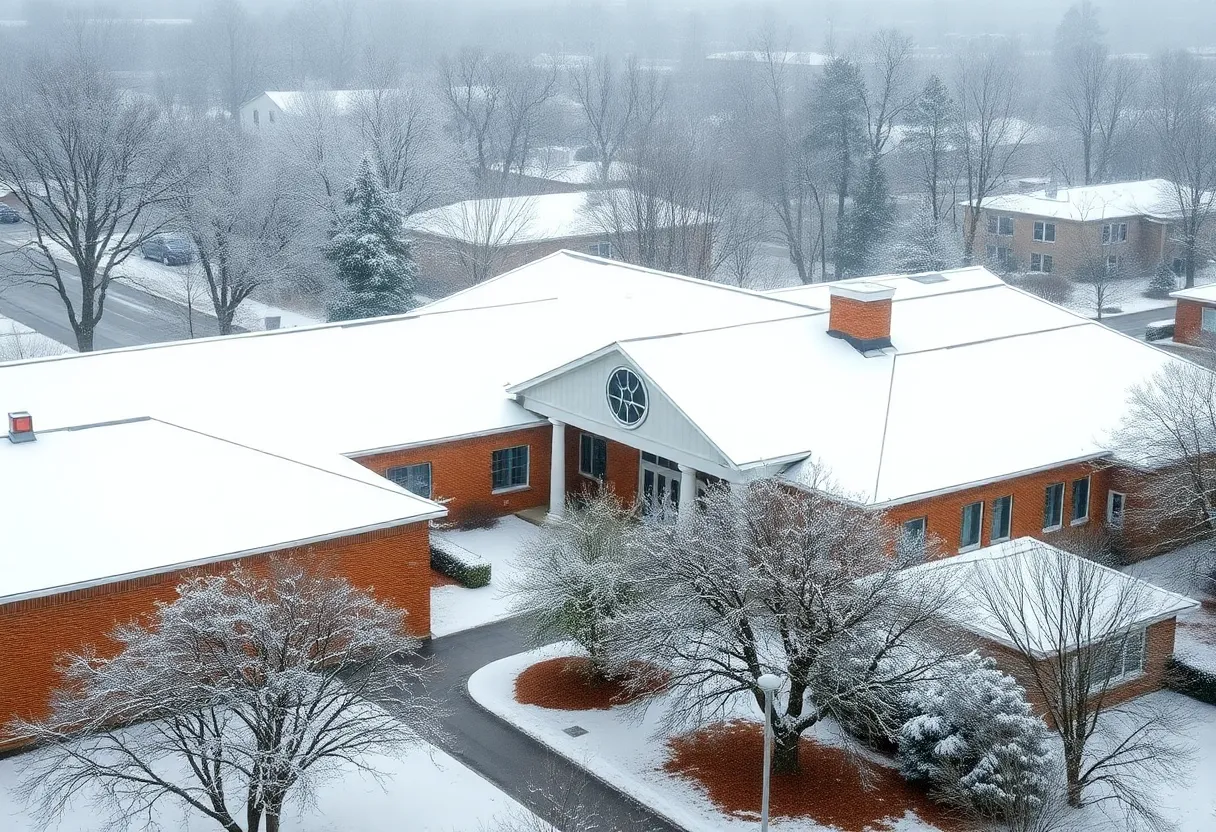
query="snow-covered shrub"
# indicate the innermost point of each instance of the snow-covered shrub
(868, 699)
(1164, 281)
(1190, 680)
(1050, 287)
(459, 564)
(975, 740)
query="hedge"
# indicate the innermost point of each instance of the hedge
(1159, 330)
(459, 564)
(1190, 680)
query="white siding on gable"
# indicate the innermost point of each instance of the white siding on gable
(580, 395)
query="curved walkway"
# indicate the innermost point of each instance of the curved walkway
(532, 774)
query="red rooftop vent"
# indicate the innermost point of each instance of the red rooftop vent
(20, 427)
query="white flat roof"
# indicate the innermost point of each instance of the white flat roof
(1148, 197)
(98, 503)
(1119, 601)
(1202, 294)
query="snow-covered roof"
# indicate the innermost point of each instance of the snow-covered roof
(1148, 197)
(144, 496)
(1202, 294)
(1119, 601)
(287, 100)
(798, 58)
(577, 173)
(528, 219)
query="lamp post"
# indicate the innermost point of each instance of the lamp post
(768, 683)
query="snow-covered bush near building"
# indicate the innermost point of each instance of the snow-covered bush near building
(976, 741)
(866, 704)
(467, 568)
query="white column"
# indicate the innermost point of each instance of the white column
(688, 489)
(557, 471)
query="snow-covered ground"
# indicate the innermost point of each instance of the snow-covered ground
(424, 791)
(18, 341)
(455, 608)
(1180, 571)
(621, 747)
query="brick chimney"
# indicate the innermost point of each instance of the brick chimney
(861, 314)
(20, 427)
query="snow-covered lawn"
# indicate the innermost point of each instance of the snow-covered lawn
(423, 792)
(18, 341)
(1128, 296)
(455, 608)
(620, 746)
(1179, 571)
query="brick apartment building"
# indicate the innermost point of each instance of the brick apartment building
(1124, 227)
(1195, 316)
(501, 234)
(929, 397)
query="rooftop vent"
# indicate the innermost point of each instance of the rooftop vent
(928, 278)
(861, 314)
(20, 427)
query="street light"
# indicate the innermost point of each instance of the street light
(768, 683)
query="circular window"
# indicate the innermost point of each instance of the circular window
(626, 397)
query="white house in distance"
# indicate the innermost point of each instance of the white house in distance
(267, 109)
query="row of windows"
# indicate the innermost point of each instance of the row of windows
(1045, 232)
(269, 114)
(1114, 232)
(508, 469)
(1001, 522)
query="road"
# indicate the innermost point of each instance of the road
(519, 765)
(131, 317)
(1134, 323)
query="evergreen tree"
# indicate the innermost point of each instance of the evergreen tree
(866, 224)
(376, 270)
(837, 133)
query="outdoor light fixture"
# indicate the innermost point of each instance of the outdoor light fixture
(20, 427)
(768, 683)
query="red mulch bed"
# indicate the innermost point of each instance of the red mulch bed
(440, 579)
(567, 684)
(726, 759)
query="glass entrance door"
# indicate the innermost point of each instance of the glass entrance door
(658, 483)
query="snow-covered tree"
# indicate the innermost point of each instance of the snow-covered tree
(861, 241)
(924, 244)
(763, 578)
(975, 740)
(931, 128)
(838, 131)
(376, 270)
(582, 577)
(246, 691)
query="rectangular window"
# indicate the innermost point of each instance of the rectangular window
(413, 478)
(973, 518)
(592, 456)
(1115, 501)
(1036, 262)
(1112, 264)
(912, 542)
(1048, 263)
(993, 225)
(1117, 659)
(1045, 232)
(1080, 501)
(601, 249)
(1207, 319)
(509, 468)
(991, 252)
(1114, 232)
(1053, 507)
(1002, 518)
(1005, 227)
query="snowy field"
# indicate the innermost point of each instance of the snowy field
(621, 748)
(455, 608)
(18, 342)
(425, 791)
(1195, 638)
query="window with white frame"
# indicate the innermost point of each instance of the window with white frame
(1045, 232)
(413, 478)
(912, 538)
(270, 115)
(1207, 319)
(1114, 232)
(1053, 506)
(1115, 502)
(1001, 226)
(1080, 501)
(1113, 262)
(1001, 256)
(1002, 518)
(1043, 263)
(601, 249)
(1116, 660)
(592, 456)
(969, 533)
(255, 117)
(509, 468)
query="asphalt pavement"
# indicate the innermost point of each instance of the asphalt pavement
(540, 779)
(1134, 323)
(130, 317)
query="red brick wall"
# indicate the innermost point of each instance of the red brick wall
(864, 320)
(460, 471)
(1187, 319)
(621, 474)
(393, 563)
(945, 513)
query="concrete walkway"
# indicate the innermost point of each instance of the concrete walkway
(528, 771)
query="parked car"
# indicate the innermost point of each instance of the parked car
(7, 214)
(169, 249)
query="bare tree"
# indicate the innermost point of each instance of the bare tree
(244, 691)
(477, 235)
(235, 51)
(886, 94)
(763, 579)
(615, 105)
(933, 124)
(1184, 89)
(1096, 97)
(95, 170)
(990, 131)
(1076, 628)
